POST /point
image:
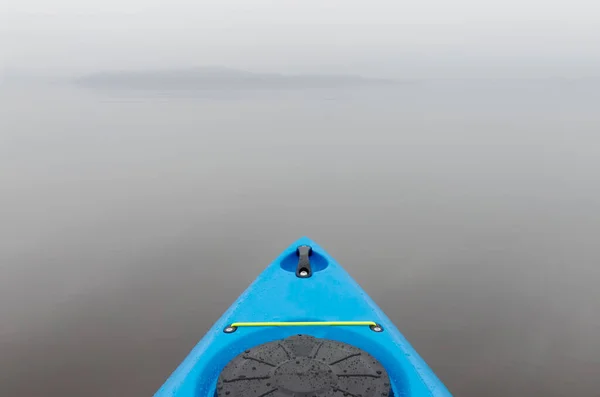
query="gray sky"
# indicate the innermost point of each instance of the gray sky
(426, 38)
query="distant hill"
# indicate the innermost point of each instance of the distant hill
(209, 78)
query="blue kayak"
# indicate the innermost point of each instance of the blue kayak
(304, 327)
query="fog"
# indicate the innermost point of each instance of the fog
(155, 156)
(434, 38)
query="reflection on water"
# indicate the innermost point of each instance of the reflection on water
(469, 212)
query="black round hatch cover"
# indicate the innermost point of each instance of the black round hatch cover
(303, 366)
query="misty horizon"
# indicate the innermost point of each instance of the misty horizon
(409, 68)
(9, 74)
(385, 39)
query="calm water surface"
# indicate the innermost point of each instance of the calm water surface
(470, 212)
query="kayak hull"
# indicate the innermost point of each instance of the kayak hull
(279, 296)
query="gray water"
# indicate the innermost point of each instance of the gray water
(129, 221)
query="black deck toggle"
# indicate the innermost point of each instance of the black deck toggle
(303, 270)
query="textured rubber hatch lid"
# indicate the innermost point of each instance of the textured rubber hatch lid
(302, 366)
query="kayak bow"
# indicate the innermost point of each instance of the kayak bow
(304, 327)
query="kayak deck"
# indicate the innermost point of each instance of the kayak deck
(327, 303)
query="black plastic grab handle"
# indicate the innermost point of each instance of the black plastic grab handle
(303, 270)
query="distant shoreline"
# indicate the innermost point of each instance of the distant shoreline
(208, 78)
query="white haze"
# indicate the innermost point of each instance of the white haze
(432, 38)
